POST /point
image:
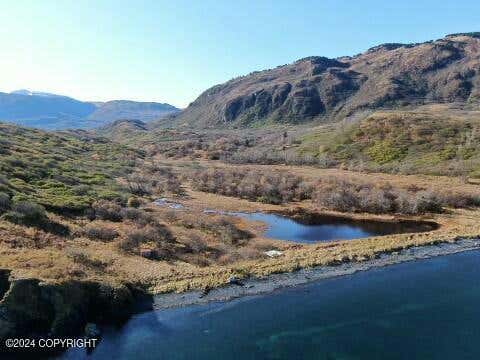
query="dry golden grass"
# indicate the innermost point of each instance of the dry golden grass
(32, 253)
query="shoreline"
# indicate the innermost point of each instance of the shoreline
(278, 281)
(273, 282)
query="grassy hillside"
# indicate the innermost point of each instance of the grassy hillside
(432, 140)
(61, 171)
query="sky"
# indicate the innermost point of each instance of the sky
(171, 51)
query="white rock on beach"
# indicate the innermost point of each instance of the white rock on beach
(273, 253)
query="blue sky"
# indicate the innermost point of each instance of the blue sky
(170, 51)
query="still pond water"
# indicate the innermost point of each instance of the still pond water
(328, 228)
(428, 309)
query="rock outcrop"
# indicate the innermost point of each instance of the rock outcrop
(322, 89)
(31, 308)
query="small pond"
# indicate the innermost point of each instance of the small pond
(328, 228)
(309, 227)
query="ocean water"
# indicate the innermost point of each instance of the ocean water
(427, 309)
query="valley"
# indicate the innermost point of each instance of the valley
(99, 222)
(322, 165)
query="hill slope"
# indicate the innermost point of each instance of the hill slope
(64, 171)
(54, 112)
(432, 139)
(123, 131)
(318, 88)
(125, 109)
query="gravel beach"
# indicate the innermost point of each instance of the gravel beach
(255, 286)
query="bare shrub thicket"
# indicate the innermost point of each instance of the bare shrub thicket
(272, 147)
(100, 233)
(137, 216)
(195, 243)
(274, 156)
(273, 188)
(144, 229)
(106, 210)
(82, 258)
(460, 200)
(227, 232)
(224, 230)
(331, 193)
(151, 178)
(195, 145)
(157, 236)
(349, 196)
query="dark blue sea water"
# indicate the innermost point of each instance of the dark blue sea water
(327, 228)
(428, 309)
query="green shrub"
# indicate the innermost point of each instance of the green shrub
(31, 214)
(134, 202)
(448, 153)
(5, 202)
(81, 190)
(467, 152)
(383, 152)
(62, 172)
(111, 195)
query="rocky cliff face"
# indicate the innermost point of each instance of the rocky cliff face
(318, 88)
(30, 308)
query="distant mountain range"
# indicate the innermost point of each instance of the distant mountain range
(54, 112)
(319, 89)
(311, 90)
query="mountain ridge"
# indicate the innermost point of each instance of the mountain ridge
(56, 112)
(319, 89)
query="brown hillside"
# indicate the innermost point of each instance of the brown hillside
(322, 89)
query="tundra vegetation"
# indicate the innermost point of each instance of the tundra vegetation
(75, 190)
(62, 189)
(76, 206)
(438, 140)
